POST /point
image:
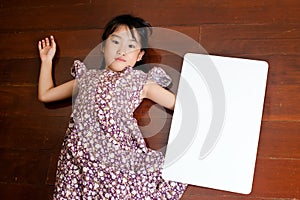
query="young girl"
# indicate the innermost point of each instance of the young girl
(104, 155)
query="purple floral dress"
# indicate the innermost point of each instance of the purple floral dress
(104, 155)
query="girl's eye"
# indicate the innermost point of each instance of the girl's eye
(115, 41)
(132, 46)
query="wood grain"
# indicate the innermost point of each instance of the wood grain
(40, 16)
(23, 167)
(70, 43)
(32, 132)
(14, 99)
(261, 42)
(26, 191)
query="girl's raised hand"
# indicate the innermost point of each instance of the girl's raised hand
(47, 49)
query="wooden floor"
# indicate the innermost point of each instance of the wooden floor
(32, 132)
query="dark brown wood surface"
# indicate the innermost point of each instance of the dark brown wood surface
(32, 132)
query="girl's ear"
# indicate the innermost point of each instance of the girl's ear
(102, 47)
(140, 56)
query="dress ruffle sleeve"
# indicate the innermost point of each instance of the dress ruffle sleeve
(159, 76)
(78, 69)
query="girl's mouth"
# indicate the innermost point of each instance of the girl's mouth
(120, 59)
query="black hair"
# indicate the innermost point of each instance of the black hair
(142, 27)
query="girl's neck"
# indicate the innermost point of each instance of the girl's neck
(108, 68)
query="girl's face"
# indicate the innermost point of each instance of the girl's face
(121, 49)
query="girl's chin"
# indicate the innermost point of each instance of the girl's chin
(116, 68)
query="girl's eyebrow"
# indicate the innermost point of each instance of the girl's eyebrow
(114, 35)
(118, 36)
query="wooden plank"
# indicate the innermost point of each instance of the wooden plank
(51, 173)
(79, 16)
(220, 12)
(22, 100)
(71, 43)
(93, 15)
(24, 72)
(23, 166)
(250, 31)
(32, 132)
(283, 69)
(18, 72)
(251, 40)
(258, 49)
(279, 140)
(279, 105)
(25, 191)
(46, 3)
(15, 100)
(277, 178)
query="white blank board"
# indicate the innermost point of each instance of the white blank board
(216, 122)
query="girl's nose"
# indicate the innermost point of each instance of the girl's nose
(121, 52)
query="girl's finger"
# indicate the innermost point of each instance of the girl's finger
(40, 45)
(43, 44)
(52, 41)
(47, 42)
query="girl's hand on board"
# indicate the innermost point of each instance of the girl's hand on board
(47, 49)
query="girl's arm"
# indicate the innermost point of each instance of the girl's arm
(47, 92)
(159, 95)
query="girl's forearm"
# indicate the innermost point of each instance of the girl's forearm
(45, 80)
(47, 92)
(159, 95)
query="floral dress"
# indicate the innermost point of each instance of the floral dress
(104, 155)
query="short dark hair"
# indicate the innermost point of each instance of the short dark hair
(143, 28)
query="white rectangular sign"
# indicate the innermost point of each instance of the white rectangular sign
(216, 122)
